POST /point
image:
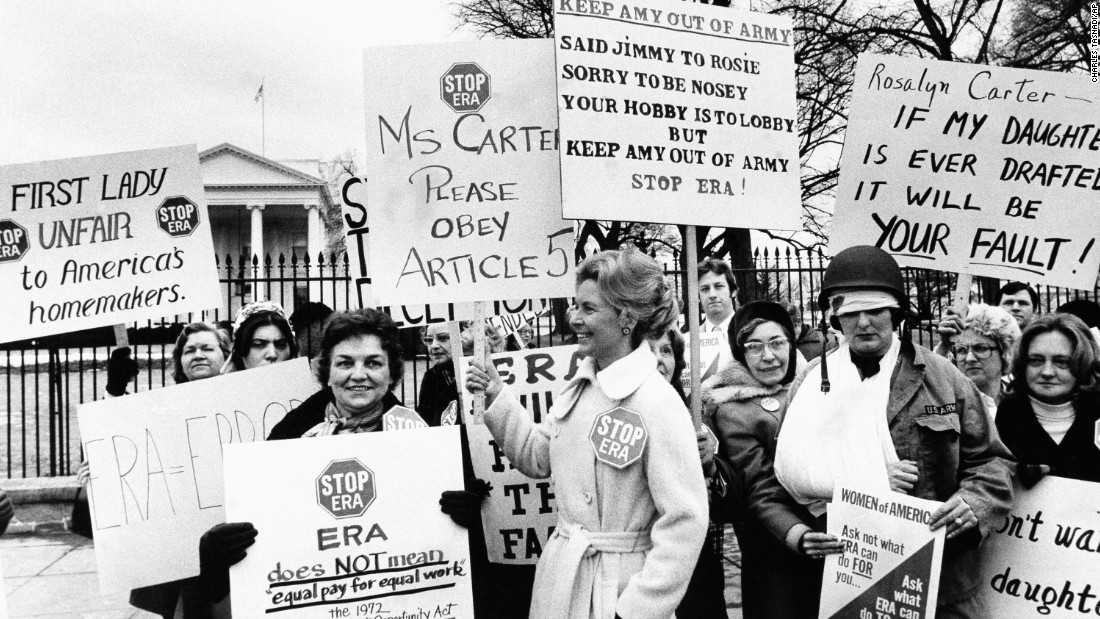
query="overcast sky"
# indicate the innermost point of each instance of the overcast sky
(85, 78)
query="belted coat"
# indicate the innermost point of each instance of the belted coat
(627, 538)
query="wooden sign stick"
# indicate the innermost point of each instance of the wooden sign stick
(691, 251)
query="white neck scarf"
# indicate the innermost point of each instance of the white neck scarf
(837, 437)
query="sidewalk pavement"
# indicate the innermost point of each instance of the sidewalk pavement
(54, 575)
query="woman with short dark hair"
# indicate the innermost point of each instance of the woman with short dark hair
(261, 336)
(1049, 418)
(359, 364)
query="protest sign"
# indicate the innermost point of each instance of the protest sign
(535, 376)
(156, 465)
(462, 165)
(356, 228)
(355, 529)
(1043, 559)
(680, 114)
(520, 513)
(891, 562)
(508, 324)
(974, 169)
(710, 348)
(103, 240)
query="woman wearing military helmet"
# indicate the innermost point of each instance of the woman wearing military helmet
(885, 412)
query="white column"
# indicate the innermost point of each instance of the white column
(257, 232)
(315, 241)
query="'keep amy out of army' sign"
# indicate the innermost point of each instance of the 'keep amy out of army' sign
(973, 169)
(677, 113)
(462, 175)
(103, 240)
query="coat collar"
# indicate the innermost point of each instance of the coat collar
(617, 381)
(906, 379)
(734, 383)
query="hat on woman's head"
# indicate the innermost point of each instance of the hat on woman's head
(260, 307)
(762, 311)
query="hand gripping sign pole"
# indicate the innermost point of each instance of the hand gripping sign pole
(478, 407)
(961, 299)
(691, 250)
(455, 329)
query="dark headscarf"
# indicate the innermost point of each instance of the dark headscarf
(771, 312)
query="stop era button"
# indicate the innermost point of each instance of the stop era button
(464, 87)
(178, 216)
(345, 488)
(402, 418)
(618, 437)
(14, 241)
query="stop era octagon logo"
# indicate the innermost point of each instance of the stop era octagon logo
(464, 87)
(14, 241)
(345, 488)
(618, 437)
(178, 216)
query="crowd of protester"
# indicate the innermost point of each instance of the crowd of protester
(793, 410)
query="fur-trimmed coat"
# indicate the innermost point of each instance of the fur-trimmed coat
(746, 416)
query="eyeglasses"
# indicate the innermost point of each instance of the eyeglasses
(1061, 363)
(981, 351)
(778, 346)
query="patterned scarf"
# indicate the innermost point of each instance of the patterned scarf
(337, 423)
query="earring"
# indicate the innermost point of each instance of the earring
(626, 330)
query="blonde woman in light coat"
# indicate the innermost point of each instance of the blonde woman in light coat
(631, 521)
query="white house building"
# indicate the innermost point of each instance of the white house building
(262, 207)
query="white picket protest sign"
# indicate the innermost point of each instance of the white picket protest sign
(535, 376)
(355, 528)
(520, 512)
(710, 348)
(103, 240)
(974, 169)
(891, 561)
(353, 203)
(508, 324)
(679, 114)
(156, 465)
(1043, 559)
(462, 168)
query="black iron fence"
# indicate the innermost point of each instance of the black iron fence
(47, 379)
